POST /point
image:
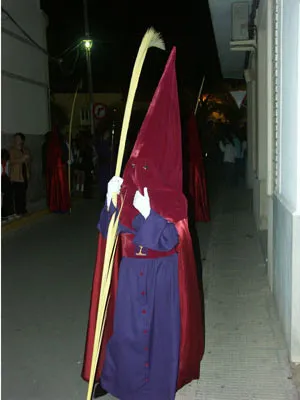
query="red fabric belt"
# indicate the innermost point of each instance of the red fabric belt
(131, 250)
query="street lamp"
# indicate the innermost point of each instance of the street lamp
(88, 44)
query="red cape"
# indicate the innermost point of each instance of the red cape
(192, 330)
(58, 195)
(197, 181)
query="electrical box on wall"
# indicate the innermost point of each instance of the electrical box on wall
(239, 21)
(85, 119)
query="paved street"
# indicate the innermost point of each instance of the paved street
(47, 269)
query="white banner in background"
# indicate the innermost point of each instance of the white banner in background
(239, 96)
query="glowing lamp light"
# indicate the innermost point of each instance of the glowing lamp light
(88, 44)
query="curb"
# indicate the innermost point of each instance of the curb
(19, 223)
(34, 216)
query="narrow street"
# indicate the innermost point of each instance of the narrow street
(47, 271)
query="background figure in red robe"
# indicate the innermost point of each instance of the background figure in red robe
(153, 338)
(197, 180)
(58, 195)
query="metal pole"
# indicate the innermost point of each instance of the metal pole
(199, 95)
(112, 147)
(89, 66)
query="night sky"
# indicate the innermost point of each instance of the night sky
(117, 30)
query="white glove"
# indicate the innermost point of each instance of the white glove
(142, 203)
(113, 187)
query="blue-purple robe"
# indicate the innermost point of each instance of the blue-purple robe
(142, 356)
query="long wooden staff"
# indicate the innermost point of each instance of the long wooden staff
(151, 39)
(199, 95)
(70, 137)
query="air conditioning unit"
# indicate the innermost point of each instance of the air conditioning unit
(240, 21)
(240, 28)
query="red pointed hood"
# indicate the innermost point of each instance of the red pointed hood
(156, 159)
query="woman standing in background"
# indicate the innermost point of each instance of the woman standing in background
(6, 189)
(19, 173)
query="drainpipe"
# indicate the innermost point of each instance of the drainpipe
(251, 27)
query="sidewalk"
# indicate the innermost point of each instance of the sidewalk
(35, 210)
(245, 356)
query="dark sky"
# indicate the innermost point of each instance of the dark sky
(118, 29)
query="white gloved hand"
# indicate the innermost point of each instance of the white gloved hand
(142, 203)
(113, 187)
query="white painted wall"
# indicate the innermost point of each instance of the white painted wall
(279, 211)
(25, 85)
(289, 184)
(250, 133)
(295, 328)
(264, 120)
(286, 213)
(250, 77)
(232, 62)
(295, 314)
(25, 106)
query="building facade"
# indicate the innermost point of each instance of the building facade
(274, 112)
(25, 82)
(271, 48)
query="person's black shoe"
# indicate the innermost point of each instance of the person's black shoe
(99, 391)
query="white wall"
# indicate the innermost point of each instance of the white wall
(250, 133)
(286, 212)
(277, 207)
(295, 346)
(25, 106)
(263, 99)
(25, 84)
(295, 315)
(250, 77)
(289, 140)
(232, 62)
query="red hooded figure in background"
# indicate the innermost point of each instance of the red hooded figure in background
(153, 339)
(197, 181)
(58, 195)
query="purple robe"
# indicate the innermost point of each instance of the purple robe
(142, 355)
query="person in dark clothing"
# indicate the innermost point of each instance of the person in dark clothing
(44, 152)
(86, 155)
(6, 188)
(19, 173)
(105, 161)
(79, 176)
(58, 196)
